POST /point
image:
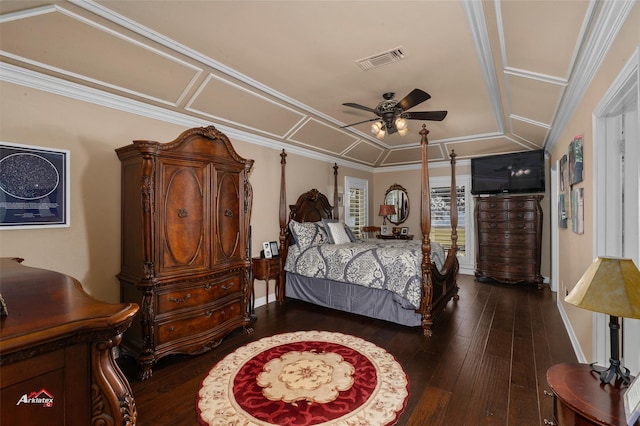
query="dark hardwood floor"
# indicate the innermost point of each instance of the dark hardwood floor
(485, 364)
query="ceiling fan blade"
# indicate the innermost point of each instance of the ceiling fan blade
(360, 122)
(425, 115)
(414, 98)
(358, 106)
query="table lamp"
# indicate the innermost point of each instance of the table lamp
(611, 286)
(386, 210)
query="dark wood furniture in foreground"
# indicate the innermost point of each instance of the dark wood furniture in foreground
(186, 207)
(509, 238)
(580, 399)
(486, 363)
(56, 358)
(267, 269)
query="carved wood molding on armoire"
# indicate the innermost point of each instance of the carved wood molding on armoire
(186, 208)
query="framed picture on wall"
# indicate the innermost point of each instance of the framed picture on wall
(575, 160)
(34, 187)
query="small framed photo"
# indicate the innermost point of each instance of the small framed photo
(632, 402)
(266, 249)
(404, 230)
(274, 248)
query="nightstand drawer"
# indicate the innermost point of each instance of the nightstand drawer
(266, 268)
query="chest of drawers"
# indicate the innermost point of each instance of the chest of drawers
(508, 243)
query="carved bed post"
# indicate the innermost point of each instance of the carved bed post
(335, 191)
(425, 223)
(282, 217)
(454, 202)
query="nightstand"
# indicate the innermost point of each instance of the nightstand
(579, 398)
(266, 269)
(395, 237)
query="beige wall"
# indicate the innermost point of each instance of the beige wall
(89, 249)
(577, 251)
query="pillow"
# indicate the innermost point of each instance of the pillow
(337, 233)
(307, 234)
(325, 224)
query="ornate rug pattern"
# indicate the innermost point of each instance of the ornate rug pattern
(304, 378)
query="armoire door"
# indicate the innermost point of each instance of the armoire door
(183, 206)
(229, 217)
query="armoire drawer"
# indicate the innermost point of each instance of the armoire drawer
(512, 267)
(196, 323)
(182, 296)
(514, 254)
(506, 238)
(521, 226)
(492, 215)
(492, 226)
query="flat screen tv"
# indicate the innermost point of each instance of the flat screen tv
(508, 173)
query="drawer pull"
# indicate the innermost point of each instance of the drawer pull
(227, 287)
(184, 299)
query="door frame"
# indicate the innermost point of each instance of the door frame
(618, 110)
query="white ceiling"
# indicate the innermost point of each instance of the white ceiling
(508, 72)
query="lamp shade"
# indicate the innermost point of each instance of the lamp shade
(611, 286)
(387, 210)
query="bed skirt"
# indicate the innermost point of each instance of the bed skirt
(370, 302)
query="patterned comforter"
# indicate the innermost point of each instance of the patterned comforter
(383, 264)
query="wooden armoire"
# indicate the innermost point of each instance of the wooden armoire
(186, 207)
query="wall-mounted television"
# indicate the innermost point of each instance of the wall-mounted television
(508, 173)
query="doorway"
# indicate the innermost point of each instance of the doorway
(617, 197)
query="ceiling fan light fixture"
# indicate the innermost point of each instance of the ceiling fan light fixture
(401, 124)
(376, 128)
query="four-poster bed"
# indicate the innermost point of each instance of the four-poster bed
(405, 282)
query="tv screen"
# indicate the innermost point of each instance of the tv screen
(508, 173)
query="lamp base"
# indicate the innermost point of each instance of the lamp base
(614, 371)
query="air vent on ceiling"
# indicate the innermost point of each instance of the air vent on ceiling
(381, 59)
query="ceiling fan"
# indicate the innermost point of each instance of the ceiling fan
(392, 115)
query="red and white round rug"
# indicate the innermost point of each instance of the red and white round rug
(304, 378)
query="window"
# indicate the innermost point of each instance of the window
(441, 219)
(356, 204)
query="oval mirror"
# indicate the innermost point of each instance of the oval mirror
(397, 196)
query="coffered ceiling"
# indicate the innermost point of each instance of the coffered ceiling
(509, 73)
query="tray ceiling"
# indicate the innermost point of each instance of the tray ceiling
(280, 70)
